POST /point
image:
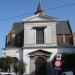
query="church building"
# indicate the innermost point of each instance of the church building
(38, 39)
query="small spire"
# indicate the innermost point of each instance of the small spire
(39, 9)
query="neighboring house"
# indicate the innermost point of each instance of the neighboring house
(37, 39)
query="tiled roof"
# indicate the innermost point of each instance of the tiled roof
(18, 27)
(63, 27)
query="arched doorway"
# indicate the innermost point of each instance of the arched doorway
(40, 66)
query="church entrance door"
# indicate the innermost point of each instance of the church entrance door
(40, 66)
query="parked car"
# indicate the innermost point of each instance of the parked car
(68, 73)
(5, 73)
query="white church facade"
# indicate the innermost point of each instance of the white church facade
(37, 40)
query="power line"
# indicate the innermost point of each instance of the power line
(15, 16)
(32, 12)
(60, 6)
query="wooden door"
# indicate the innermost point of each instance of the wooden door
(40, 66)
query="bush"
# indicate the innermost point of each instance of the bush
(21, 68)
(18, 66)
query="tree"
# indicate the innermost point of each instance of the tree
(1, 63)
(5, 63)
(21, 68)
(9, 61)
(18, 66)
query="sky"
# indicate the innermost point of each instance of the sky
(16, 10)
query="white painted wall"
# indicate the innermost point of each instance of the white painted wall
(26, 57)
(49, 33)
(13, 52)
(30, 40)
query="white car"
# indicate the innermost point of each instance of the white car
(68, 73)
(5, 73)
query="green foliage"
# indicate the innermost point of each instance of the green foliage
(2, 63)
(9, 60)
(18, 66)
(21, 68)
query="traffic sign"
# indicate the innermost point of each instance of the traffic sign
(58, 63)
(58, 56)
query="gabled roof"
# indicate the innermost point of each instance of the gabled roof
(40, 17)
(62, 27)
